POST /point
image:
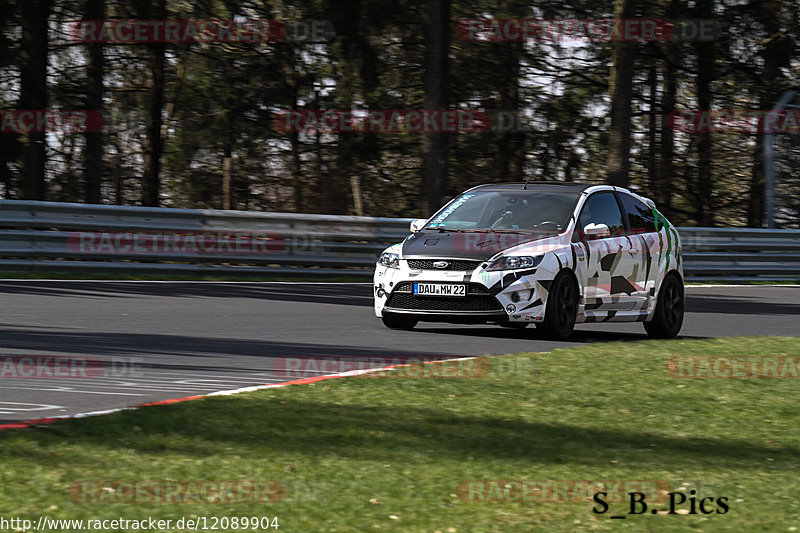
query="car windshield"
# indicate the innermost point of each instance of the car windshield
(507, 210)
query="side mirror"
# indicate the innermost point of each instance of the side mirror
(418, 224)
(596, 231)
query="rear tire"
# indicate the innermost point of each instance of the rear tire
(561, 309)
(668, 316)
(399, 322)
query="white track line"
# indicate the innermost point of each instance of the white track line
(239, 391)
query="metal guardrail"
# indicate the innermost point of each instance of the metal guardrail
(64, 237)
(741, 253)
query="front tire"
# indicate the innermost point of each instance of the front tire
(399, 322)
(561, 309)
(668, 316)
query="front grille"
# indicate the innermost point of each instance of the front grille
(472, 288)
(452, 264)
(477, 299)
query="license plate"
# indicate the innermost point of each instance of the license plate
(439, 289)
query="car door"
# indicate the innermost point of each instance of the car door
(606, 268)
(644, 241)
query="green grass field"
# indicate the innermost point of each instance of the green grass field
(390, 454)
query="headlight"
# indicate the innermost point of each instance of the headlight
(515, 262)
(389, 260)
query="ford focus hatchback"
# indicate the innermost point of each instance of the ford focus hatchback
(550, 254)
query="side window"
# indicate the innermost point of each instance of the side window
(640, 216)
(601, 208)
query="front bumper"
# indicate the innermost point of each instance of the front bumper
(477, 306)
(491, 296)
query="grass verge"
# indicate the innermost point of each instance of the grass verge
(389, 454)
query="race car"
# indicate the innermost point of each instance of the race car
(547, 253)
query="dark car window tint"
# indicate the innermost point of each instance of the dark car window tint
(601, 208)
(640, 216)
(521, 209)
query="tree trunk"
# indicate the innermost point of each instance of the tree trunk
(5, 180)
(118, 200)
(358, 201)
(358, 60)
(297, 172)
(776, 54)
(151, 190)
(704, 214)
(621, 90)
(95, 10)
(33, 66)
(652, 126)
(434, 173)
(666, 168)
(227, 177)
(508, 165)
(9, 151)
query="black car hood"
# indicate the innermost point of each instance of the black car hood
(463, 245)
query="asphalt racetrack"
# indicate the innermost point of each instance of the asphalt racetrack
(139, 342)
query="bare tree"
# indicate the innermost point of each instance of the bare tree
(621, 89)
(33, 69)
(95, 10)
(434, 172)
(154, 145)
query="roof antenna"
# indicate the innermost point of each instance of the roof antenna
(525, 187)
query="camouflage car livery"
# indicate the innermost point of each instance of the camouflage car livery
(618, 276)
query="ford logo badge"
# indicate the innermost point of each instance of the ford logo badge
(440, 264)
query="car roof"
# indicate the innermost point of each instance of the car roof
(550, 186)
